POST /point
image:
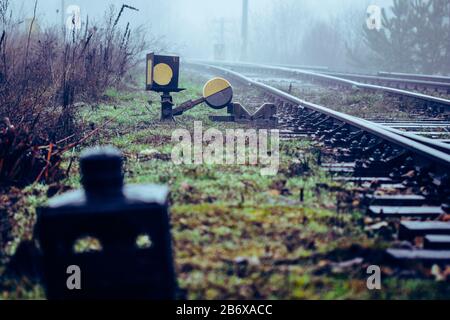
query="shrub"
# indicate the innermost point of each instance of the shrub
(45, 74)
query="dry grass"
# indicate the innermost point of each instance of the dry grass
(45, 74)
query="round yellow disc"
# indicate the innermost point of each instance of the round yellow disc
(162, 74)
(218, 93)
(214, 86)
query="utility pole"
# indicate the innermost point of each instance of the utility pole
(63, 9)
(222, 30)
(63, 14)
(219, 41)
(244, 31)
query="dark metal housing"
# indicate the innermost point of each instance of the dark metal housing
(117, 217)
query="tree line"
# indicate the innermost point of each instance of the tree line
(414, 36)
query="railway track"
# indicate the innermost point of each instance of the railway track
(404, 176)
(391, 86)
(438, 131)
(410, 76)
(435, 85)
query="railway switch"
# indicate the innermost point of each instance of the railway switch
(117, 236)
(265, 115)
(162, 76)
(217, 94)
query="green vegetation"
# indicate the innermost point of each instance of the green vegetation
(409, 30)
(236, 234)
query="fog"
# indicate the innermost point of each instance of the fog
(325, 32)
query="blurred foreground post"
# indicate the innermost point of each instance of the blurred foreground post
(107, 240)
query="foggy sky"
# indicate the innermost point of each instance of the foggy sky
(191, 25)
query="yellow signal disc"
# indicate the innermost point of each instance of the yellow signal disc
(215, 86)
(217, 93)
(162, 74)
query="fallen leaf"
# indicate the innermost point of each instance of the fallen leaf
(274, 192)
(437, 273)
(377, 226)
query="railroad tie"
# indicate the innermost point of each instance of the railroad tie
(437, 242)
(422, 255)
(408, 230)
(394, 200)
(405, 212)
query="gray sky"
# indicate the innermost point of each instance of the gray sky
(190, 24)
(191, 11)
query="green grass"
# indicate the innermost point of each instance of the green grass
(237, 234)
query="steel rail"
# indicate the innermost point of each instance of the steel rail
(443, 147)
(316, 68)
(433, 82)
(367, 126)
(346, 82)
(397, 81)
(411, 76)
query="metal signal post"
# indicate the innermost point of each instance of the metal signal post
(162, 76)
